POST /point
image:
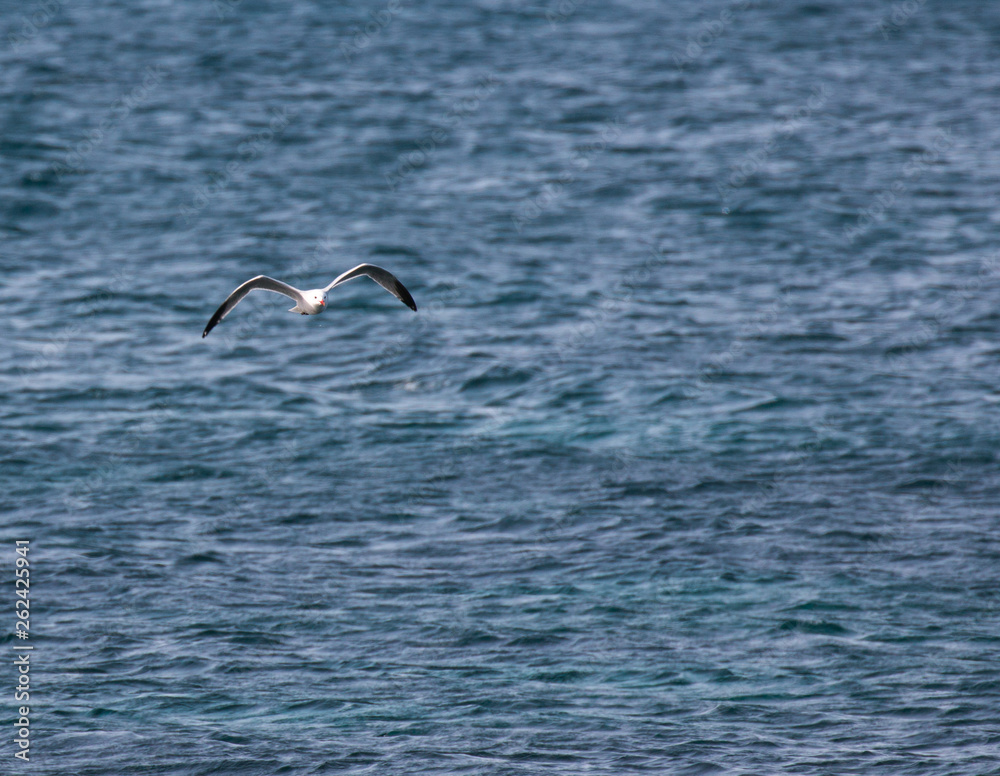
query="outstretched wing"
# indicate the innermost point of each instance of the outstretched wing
(262, 282)
(383, 277)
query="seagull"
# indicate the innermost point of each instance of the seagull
(312, 302)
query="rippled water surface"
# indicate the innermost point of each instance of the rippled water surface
(686, 465)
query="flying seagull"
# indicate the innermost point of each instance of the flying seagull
(312, 302)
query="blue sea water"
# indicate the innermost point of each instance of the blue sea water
(686, 465)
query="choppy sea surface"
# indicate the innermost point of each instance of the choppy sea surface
(686, 465)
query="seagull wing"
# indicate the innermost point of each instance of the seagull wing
(383, 277)
(262, 282)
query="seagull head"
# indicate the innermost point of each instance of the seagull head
(318, 299)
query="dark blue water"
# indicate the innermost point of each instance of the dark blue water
(686, 465)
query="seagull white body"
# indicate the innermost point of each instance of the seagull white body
(312, 302)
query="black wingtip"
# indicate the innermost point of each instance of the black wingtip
(212, 323)
(405, 297)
